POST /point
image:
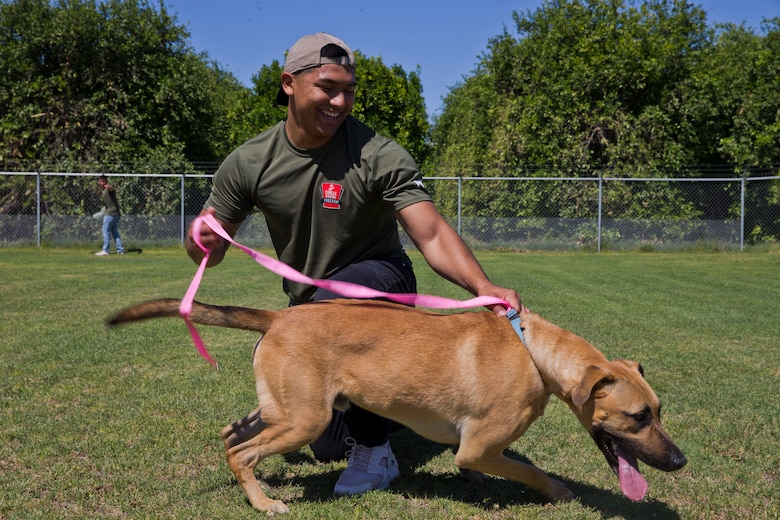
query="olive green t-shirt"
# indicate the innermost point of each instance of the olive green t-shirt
(325, 208)
(110, 202)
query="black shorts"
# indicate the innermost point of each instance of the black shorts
(390, 274)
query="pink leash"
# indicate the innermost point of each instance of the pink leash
(346, 289)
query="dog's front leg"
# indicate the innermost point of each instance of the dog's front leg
(475, 477)
(494, 462)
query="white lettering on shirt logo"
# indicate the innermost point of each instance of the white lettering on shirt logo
(331, 195)
(419, 183)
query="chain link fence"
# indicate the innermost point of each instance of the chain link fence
(527, 213)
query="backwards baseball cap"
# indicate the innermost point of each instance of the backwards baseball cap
(312, 51)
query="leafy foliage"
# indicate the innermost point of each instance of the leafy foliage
(589, 84)
(113, 82)
(615, 88)
(115, 86)
(257, 110)
(741, 76)
(390, 101)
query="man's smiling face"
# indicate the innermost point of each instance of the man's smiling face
(321, 98)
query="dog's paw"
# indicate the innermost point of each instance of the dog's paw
(473, 476)
(275, 507)
(558, 492)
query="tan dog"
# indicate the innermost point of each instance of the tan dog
(462, 379)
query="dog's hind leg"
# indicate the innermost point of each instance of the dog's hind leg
(242, 429)
(233, 436)
(253, 438)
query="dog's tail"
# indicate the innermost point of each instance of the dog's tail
(231, 317)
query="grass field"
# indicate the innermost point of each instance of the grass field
(124, 423)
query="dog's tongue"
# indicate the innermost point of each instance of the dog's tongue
(632, 483)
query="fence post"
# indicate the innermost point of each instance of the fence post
(182, 209)
(38, 206)
(742, 214)
(460, 204)
(598, 221)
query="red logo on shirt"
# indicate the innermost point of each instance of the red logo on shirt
(331, 195)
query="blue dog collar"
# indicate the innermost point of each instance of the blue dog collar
(514, 319)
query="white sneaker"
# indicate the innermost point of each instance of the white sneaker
(367, 469)
(101, 253)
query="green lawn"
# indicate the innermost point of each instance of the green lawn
(124, 423)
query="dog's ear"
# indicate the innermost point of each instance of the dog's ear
(633, 365)
(596, 382)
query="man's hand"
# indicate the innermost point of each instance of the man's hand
(508, 295)
(215, 244)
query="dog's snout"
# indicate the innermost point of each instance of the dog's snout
(678, 460)
(669, 458)
(675, 459)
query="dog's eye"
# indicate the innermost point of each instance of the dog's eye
(642, 418)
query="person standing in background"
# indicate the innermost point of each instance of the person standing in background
(110, 218)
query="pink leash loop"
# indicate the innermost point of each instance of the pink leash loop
(185, 307)
(347, 289)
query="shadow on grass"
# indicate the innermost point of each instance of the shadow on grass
(413, 452)
(131, 250)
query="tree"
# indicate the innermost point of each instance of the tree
(581, 85)
(113, 82)
(465, 133)
(741, 74)
(257, 109)
(390, 101)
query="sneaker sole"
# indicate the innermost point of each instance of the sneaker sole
(394, 473)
